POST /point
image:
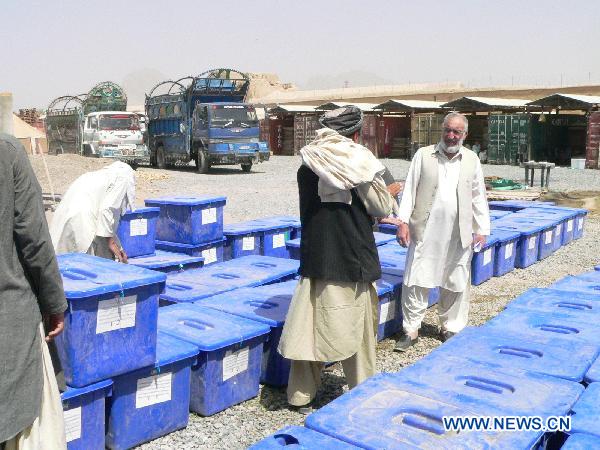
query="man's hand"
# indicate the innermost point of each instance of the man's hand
(403, 235)
(117, 250)
(55, 325)
(390, 220)
(395, 188)
(478, 242)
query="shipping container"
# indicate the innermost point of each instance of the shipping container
(393, 137)
(305, 129)
(426, 129)
(508, 138)
(369, 132)
(592, 150)
(558, 138)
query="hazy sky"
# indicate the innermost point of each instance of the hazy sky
(53, 48)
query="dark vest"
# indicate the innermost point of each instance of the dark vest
(337, 239)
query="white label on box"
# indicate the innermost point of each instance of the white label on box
(209, 215)
(508, 250)
(209, 255)
(72, 419)
(570, 225)
(558, 229)
(487, 257)
(116, 313)
(235, 362)
(548, 237)
(248, 243)
(153, 389)
(387, 312)
(532, 242)
(279, 240)
(138, 227)
(579, 224)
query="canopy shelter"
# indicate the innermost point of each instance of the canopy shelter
(410, 106)
(570, 102)
(364, 107)
(486, 104)
(291, 109)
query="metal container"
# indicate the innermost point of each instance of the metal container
(592, 148)
(369, 133)
(426, 129)
(305, 129)
(393, 137)
(508, 138)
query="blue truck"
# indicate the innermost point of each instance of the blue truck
(204, 119)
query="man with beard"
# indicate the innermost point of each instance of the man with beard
(444, 217)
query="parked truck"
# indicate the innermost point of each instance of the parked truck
(96, 124)
(204, 119)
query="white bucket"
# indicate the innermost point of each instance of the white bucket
(578, 163)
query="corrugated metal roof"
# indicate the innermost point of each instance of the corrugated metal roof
(292, 108)
(409, 105)
(334, 105)
(489, 102)
(567, 101)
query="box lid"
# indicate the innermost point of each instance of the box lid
(267, 304)
(85, 275)
(207, 328)
(141, 213)
(177, 245)
(180, 200)
(247, 271)
(72, 392)
(170, 349)
(163, 259)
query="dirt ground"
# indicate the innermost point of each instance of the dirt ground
(576, 199)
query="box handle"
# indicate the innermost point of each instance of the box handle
(196, 324)
(573, 305)
(178, 287)
(520, 352)
(264, 265)
(485, 384)
(263, 304)
(423, 421)
(559, 329)
(225, 276)
(78, 274)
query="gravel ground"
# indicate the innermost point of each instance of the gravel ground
(271, 189)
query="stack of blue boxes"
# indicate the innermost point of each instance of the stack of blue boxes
(538, 358)
(267, 236)
(191, 225)
(116, 365)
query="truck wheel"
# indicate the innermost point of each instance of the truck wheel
(87, 151)
(247, 167)
(160, 157)
(202, 164)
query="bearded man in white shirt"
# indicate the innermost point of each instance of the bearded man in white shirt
(444, 217)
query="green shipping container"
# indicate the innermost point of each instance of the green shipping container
(508, 138)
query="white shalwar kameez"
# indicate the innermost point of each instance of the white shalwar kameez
(91, 208)
(440, 260)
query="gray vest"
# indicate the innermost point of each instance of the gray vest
(427, 189)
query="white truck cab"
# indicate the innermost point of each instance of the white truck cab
(114, 134)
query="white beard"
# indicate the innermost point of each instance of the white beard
(453, 149)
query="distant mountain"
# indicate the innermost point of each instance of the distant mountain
(140, 82)
(347, 79)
